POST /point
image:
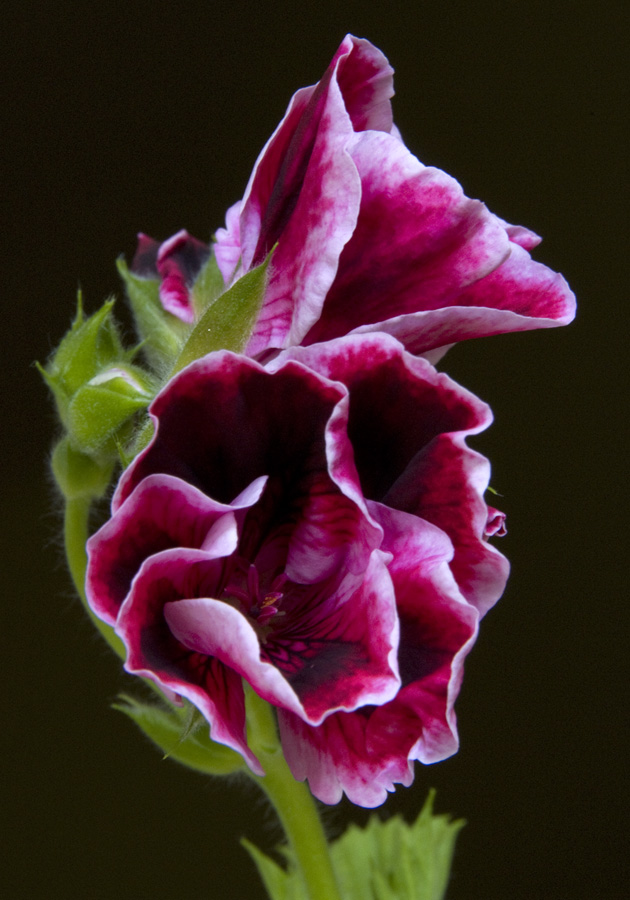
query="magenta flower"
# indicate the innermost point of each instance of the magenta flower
(369, 239)
(316, 527)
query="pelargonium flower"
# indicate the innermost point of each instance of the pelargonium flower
(316, 527)
(370, 239)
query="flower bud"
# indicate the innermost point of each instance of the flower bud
(97, 391)
(99, 409)
(79, 476)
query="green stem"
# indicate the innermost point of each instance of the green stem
(75, 529)
(293, 802)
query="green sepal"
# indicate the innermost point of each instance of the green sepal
(90, 346)
(208, 286)
(388, 860)
(79, 476)
(181, 736)
(99, 409)
(228, 322)
(162, 334)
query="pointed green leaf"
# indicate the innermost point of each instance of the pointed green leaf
(392, 860)
(388, 860)
(192, 748)
(162, 334)
(280, 884)
(228, 323)
(208, 286)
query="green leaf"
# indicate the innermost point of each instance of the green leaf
(162, 334)
(280, 884)
(227, 324)
(388, 860)
(208, 286)
(183, 741)
(392, 860)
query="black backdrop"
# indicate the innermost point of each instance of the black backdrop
(148, 116)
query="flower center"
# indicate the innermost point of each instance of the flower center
(260, 605)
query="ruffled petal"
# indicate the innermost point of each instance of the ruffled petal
(163, 512)
(336, 648)
(418, 241)
(365, 753)
(224, 421)
(304, 192)
(445, 485)
(154, 652)
(398, 403)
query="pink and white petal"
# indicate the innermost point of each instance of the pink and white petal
(519, 295)
(361, 75)
(213, 628)
(179, 260)
(227, 247)
(227, 407)
(277, 169)
(336, 649)
(366, 81)
(438, 629)
(332, 532)
(398, 403)
(322, 219)
(520, 235)
(418, 241)
(445, 485)
(337, 644)
(162, 512)
(495, 525)
(334, 758)
(155, 653)
(365, 753)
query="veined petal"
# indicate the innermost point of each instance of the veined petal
(304, 192)
(154, 652)
(398, 403)
(445, 485)
(163, 512)
(418, 240)
(366, 753)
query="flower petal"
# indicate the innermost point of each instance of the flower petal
(398, 403)
(304, 192)
(162, 512)
(418, 241)
(445, 485)
(179, 260)
(154, 652)
(227, 249)
(422, 250)
(365, 753)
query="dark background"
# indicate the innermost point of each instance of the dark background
(149, 116)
